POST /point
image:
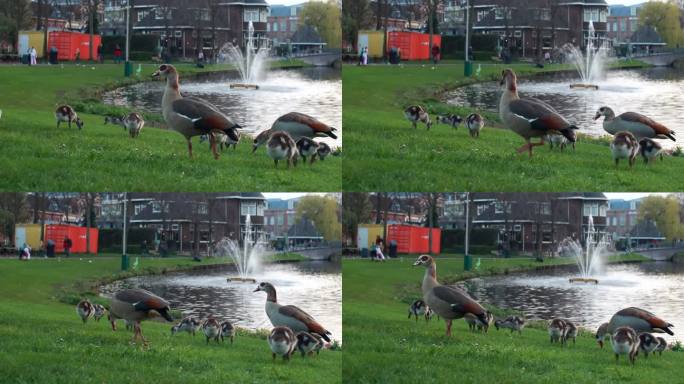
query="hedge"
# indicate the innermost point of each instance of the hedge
(139, 43)
(483, 43)
(111, 239)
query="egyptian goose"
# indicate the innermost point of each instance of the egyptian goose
(556, 331)
(323, 151)
(67, 114)
(640, 320)
(99, 311)
(570, 332)
(625, 342)
(227, 331)
(281, 147)
(635, 123)
(650, 149)
(289, 315)
(136, 305)
(514, 323)
(116, 120)
(298, 125)
(601, 334)
(212, 329)
(448, 302)
(307, 147)
(191, 116)
(134, 122)
(624, 146)
(648, 343)
(85, 310)
(282, 341)
(307, 343)
(530, 117)
(416, 113)
(474, 123)
(453, 120)
(662, 345)
(419, 308)
(188, 324)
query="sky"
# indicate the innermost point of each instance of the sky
(286, 196)
(625, 2)
(630, 196)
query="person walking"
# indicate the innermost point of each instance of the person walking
(435, 54)
(100, 55)
(379, 256)
(117, 54)
(78, 55)
(32, 54)
(67, 246)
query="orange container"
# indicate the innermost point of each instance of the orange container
(68, 42)
(413, 239)
(57, 233)
(413, 45)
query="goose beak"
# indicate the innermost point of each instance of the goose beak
(417, 263)
(257, 289)
(600, 343)
(156, 74)
(254, 147)
(597, 115)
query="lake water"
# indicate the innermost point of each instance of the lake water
(316, 91)
(315, 287)
(654, 92)
(654, 286)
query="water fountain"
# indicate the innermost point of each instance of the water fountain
(247, 259)
(250, 65)
(590, 259)
(591, 66)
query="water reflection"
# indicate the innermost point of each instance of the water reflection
(655, 92)
(654, 286)
(315, 91)
(316, 287)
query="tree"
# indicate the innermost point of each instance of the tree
(432, 6)
(325, 18)
(15, 15)
(664, 211)
(356, 15)
(90, 216)
(664, 17)
(13, 210)
(92, 7)
(323, 212)
(356, 209)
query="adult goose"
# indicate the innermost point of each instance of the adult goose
(635, 123)
(297, 125)
(530, 117)
(448, 302)
(289, 315)
(640, 320)
(136, 305)
(190, 116)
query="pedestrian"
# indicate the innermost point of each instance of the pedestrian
(33, 54)
(378, 249)
(25, 252)
(200, 59)
(100, 55)
(67, 246)
(547, 57)
(117, 54)
(78, 55)
(435, 54)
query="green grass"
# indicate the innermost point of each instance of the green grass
(383, 346)
(383, 151)
(37, 156)
(42, 340)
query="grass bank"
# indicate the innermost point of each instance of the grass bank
(383, 152)
(382, 345)
(42, 340)
(37, 156)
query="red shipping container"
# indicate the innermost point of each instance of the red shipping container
(413, 239)
(68, 42)
(57, 233)
(413, 45)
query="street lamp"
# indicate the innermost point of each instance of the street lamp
(467, 65)
(128, 68)
(124, 256)
(467, 259)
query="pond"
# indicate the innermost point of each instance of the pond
(654, 286)
(654, 92)
(316, 91)
(315, 287)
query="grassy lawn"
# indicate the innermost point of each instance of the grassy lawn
(42, 340)
(378, 334)
(383, 151)
(39, 157)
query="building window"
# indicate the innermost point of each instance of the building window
(251, 14)
(156, 207)
(137, 208)
(293, 25)
(283, 25)
(481, 208)
(275, 26)
(623, 25)
(161, 13)
(201, 208)
(142, 13)
(481, 15)
(280, 220)
(603, 208)
(622, 221)
(502, 13)
(615, 26)
(268, 27)
(252, 208)
(633, 25)
(595, 14)
(545, 208)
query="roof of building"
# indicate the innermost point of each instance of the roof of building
(620, 10)
(622, 204)
(285, 10)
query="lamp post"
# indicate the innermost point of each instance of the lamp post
(124, 256)
(128, 68)
(468, 66)
(467, 259)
